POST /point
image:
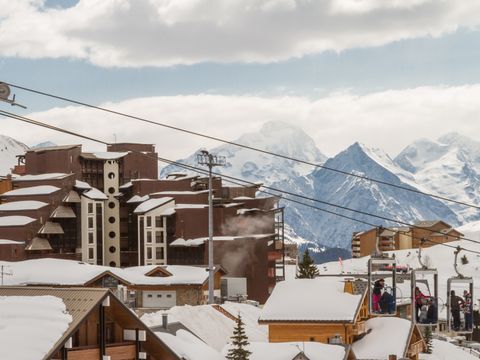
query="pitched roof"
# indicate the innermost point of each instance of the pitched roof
(32, 190)
(47, 176)
(95, 194)
(63, 212)
(39, 243)
(72, 197)
(22, 205)
(53, 148)
(15, 220)
(430, 223)
(151, 204)
(51, 228)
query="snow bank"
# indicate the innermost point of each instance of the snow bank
(31, 325)
(443, 350)
(189, 347)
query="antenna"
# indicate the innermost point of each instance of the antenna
(4, 96)
(3, 272)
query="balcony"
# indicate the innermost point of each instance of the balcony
(415, 348)
(115, 351)
(358, 328)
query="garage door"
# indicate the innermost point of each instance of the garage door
(159, 299)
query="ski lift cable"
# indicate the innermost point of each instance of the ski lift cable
(245, 182)
(263, 151)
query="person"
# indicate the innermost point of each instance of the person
(456, 302)
(432, 312)
(377, 294)
(422, 318)
(387, 301)
(420, 300)
(467, 310)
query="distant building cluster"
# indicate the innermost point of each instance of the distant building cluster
(424, 233)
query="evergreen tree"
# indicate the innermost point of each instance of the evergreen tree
(428, 339)
(238, 350)
(307, 268)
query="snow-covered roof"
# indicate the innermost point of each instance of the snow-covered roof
(188, 346)
(82, 185)
(31, 325)
(385, 336)
(288, 350)
(212, 326)
(151, 204)
(190, 206)
(200, 241)
(107, 155)
(49, 176)
(181, 192)
(95, 194)
(126, 185)
(15, 220)
(69, 272)
(32, 190)
(444, 350)
(137, 198)
(311, 300)
(22, 205)
(10, 242)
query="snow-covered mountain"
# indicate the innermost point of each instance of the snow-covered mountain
(44, 144)
(357, 193)
(449, 167)
(9, 149)
(278, 137)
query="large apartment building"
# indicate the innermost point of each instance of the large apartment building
(110, 208)
(398, 238)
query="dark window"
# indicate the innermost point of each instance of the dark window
(111, 205)
(113, 263)
(111, 219)
(169, 295)
(90, 222)
(111, 175)
(90, 237)
(159, 237)
(112, 234)
(149, 237)
(111, 190)
(112, 249)
(90, 254)
(149, 221)
(159, 253)
(158, 221)
(90, 208)
(149, 253)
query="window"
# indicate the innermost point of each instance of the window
(169, 295)
(90, 222)
(149, 237)
(159, 253)
(149, 253)
(158, 221)
(149, 221)
(159, 237)
(91, 254)
(90, 238)
(90, 208)
(150, 295)
(159, 295)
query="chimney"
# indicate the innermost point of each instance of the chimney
(165, 320)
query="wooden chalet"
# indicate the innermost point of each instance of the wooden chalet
(98, 326)
(324, 309)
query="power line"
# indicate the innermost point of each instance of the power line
(210, 137)
(38, 123)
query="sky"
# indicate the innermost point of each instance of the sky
(382, 72)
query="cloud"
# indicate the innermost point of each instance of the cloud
(136, 33)
(389, 119)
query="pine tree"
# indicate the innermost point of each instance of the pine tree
(238, 350)
(428, 339)
(307, 268)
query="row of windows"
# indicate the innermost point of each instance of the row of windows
(159, 296)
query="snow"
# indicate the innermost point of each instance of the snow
(188, 346)
(31, 325)
(210, 325)
(323, 299)
(181, 192)
(32, 190)
(95, 194)
(48, 176)
(191, 206)
(200, 241)
(15, 220)
(82, 185)
(22, 205)
(288, 350)
(443, 350)
(388, 335)
(110, 155)
(70, 272)
(11, 242)
(137, 198)
(151, 204)
(9, 149)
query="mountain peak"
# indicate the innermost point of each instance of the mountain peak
(454, 138)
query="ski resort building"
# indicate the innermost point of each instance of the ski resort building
(109, 208)
(400, 238)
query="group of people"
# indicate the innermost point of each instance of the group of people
(382, 298)
(461, 305)
(426, 310)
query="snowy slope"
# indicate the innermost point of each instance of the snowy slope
(449, 167)
(278, 137)
(9, 149)
(356, 193)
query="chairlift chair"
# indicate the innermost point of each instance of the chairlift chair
(453, 283)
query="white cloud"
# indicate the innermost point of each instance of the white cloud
(389, 119)
(170, 32)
